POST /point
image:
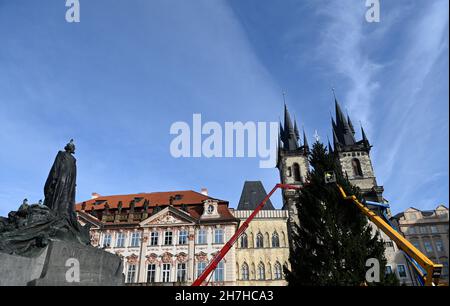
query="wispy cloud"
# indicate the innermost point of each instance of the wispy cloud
(343, 48)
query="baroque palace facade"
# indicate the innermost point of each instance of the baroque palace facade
(164, 238)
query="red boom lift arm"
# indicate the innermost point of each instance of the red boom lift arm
(219, 256)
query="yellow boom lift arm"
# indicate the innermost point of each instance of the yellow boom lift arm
(433, 271)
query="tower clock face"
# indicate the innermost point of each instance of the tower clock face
(210, 209)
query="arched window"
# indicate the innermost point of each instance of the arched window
(253, 271)
(296, 170)
(259, 241)
(277, 270)
(261, 271)
(269, 270)
(244, 241)
(275, 240)
(356, 165)
(244, 271)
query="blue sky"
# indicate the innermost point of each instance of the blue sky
(116, 81)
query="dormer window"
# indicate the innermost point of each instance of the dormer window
(210, 209)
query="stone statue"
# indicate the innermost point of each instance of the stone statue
(59, 189)
(29, 229)
(39, 240)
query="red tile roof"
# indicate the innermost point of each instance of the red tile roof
(188, 197)
(191, 201)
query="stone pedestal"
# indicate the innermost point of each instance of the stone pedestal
(57, 265)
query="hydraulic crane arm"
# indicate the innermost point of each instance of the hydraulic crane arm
(433, 271)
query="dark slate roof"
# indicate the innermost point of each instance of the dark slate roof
(252, 194)
(344, 133)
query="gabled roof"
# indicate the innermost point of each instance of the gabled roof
(252, 194)
(88, 218)
(178, 213)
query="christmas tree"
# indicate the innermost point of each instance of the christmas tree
(334, 239)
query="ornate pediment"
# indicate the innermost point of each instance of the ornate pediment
(152, 258)
(201, 256)
(168, 216)
(132, 259)
(166, 257)
(182, 257)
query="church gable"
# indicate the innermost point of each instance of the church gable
(168, 216)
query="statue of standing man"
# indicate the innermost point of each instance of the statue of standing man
(59, 189)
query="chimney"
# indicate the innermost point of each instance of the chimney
(204, 191)
(95, 195)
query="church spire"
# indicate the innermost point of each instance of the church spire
(305, 140)
(364, 138)
(335, 140)
(330, 149)
(297, 134)
(343, 131)
(350, 124)
(290, 139)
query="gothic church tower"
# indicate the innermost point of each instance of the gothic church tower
(354, 156)
(293, 165)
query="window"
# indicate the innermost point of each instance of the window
(131, 274)
(439, 246)
(219, 272)
(244, 271)
(416, 244)
(181, 272)
(168, 238)
(388, 270)
(275, 240)
(428, 246)
(107, 241)
(135, 239)
(259, 241)
(411, 230)
(154, 238)
(289, 171)
(151, 273)
(434, 229)
(218, 235)
(261, 272)
(423, 230)
(297, 176)
(210, 209)
(201, 236)
(201, 266)
(183, 237)
(401, 270)
(356, 166)
(244, 241)
(166, 273)
(120, 242)
(278, 273)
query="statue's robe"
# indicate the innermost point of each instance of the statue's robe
(59, 189)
